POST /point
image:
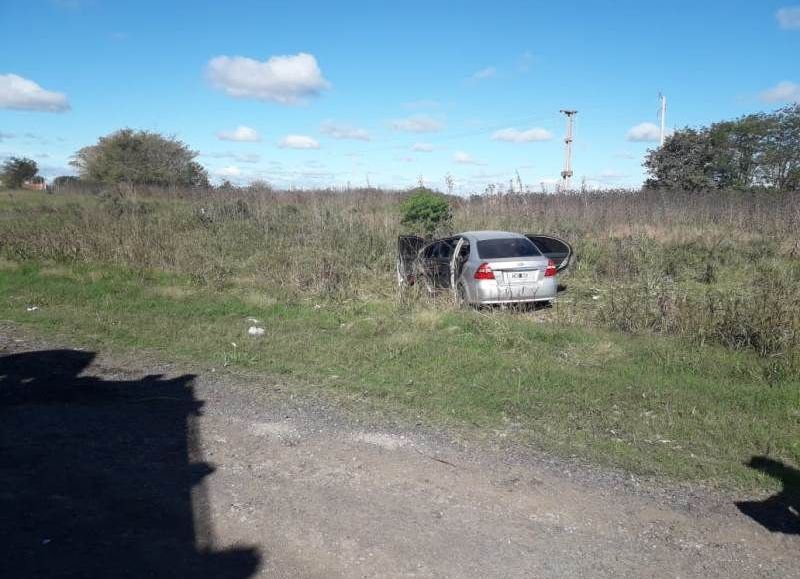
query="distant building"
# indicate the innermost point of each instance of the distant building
(35, 184)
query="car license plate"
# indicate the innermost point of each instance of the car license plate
(520, 276)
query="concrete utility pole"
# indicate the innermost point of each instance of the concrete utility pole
(663, 116)
(566, 174)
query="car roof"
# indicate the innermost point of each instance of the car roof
(481, 235)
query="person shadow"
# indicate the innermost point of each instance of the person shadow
(103, 478)
(779, 513)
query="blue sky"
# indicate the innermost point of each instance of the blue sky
(303, 93)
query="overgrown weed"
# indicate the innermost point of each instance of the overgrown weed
(717, 266)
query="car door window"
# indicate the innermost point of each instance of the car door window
(445, 250)
(429, 252)
(441, 265)
(437, 258)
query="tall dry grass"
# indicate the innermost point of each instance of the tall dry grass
(717, 266)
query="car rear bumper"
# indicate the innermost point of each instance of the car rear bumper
(489, 292)
(513, 301)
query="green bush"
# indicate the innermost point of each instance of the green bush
(426, 212)
(16, 170)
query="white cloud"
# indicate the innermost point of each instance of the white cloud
(422, 147)
(789, 17)
(246, 158)
(417, 124)
(607, 176)
(484, 73)
(22, 94)
(338, 131)
(52, 171)
(511, 135)
(645, 132)
(594, 185)
(241, 133)
(465, 159)
(232, 171)
(283, 79)
(298, 142)
(782, 92)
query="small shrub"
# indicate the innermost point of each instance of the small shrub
(426, 212)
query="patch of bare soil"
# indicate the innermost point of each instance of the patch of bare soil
(135, 469)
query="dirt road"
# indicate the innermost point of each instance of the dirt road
(111, 469)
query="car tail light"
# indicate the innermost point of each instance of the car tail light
(484, 272)
(550, 270)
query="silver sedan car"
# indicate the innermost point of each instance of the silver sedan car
(485, 267)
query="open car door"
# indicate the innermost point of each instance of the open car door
(408, 247)
(553, 248)
(457, 260)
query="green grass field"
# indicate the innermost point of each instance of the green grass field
(652, 400)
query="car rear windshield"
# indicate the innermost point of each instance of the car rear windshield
(507, 247)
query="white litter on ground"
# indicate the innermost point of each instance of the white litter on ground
(31, 308)
(255, 331)
(251, 320)
(274, 429)
(387, 441)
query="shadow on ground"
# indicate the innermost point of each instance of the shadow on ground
(780, 513)
(103, 478)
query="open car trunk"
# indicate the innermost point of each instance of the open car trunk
(408, 247)
(553, 248)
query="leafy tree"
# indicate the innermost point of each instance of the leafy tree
(227, 186)
(18, 170)
(781, 156)
(757, 150)
(738, 150)
(425, 211)
(140, 158)
(65, 182)
(260, 186)
(682, 162)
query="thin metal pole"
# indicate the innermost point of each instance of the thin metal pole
(566, 174)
